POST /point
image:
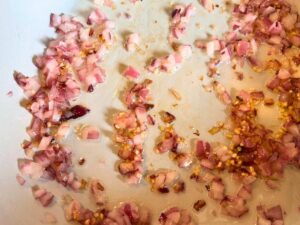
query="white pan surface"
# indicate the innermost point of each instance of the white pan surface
(24, 30)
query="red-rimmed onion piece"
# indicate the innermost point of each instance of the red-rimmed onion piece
(42, 195)
(29, 168)
(234, 206)
(175, 216)
(131, 73)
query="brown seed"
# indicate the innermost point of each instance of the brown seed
(239, 75)
(81, 161)
(269, 102)
(127, 15)
(152, 176)
(199, 205)
(164, 190)
(207, 187)
(99, 186)
(216, 129)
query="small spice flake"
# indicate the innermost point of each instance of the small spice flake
(216, 129)
(239, 75)
(10, 94)
(167, 117)
(175, 94)
(84, 184)
(207, 87)
(127, 15)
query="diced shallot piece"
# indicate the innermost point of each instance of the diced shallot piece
(89, 132)
(20, 179)
(132, 42)
(180, 17)
(245, 192)
(42, 195)
(45, 142)
(97, 192)
(129, 212)
(96, 17)
(175, 216)
(283, 74)
(234, 206)
(216, 189)
(162, 180)
(185, 51)
(271, 216)
(202, 149)
(63, 130)
(169, 141)
(184, 159)
(207, 4)
(222, 93)
(32, 169)
(30, 85)
(289, 21)
(243, 48)
(212, 47)
(131, 73)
